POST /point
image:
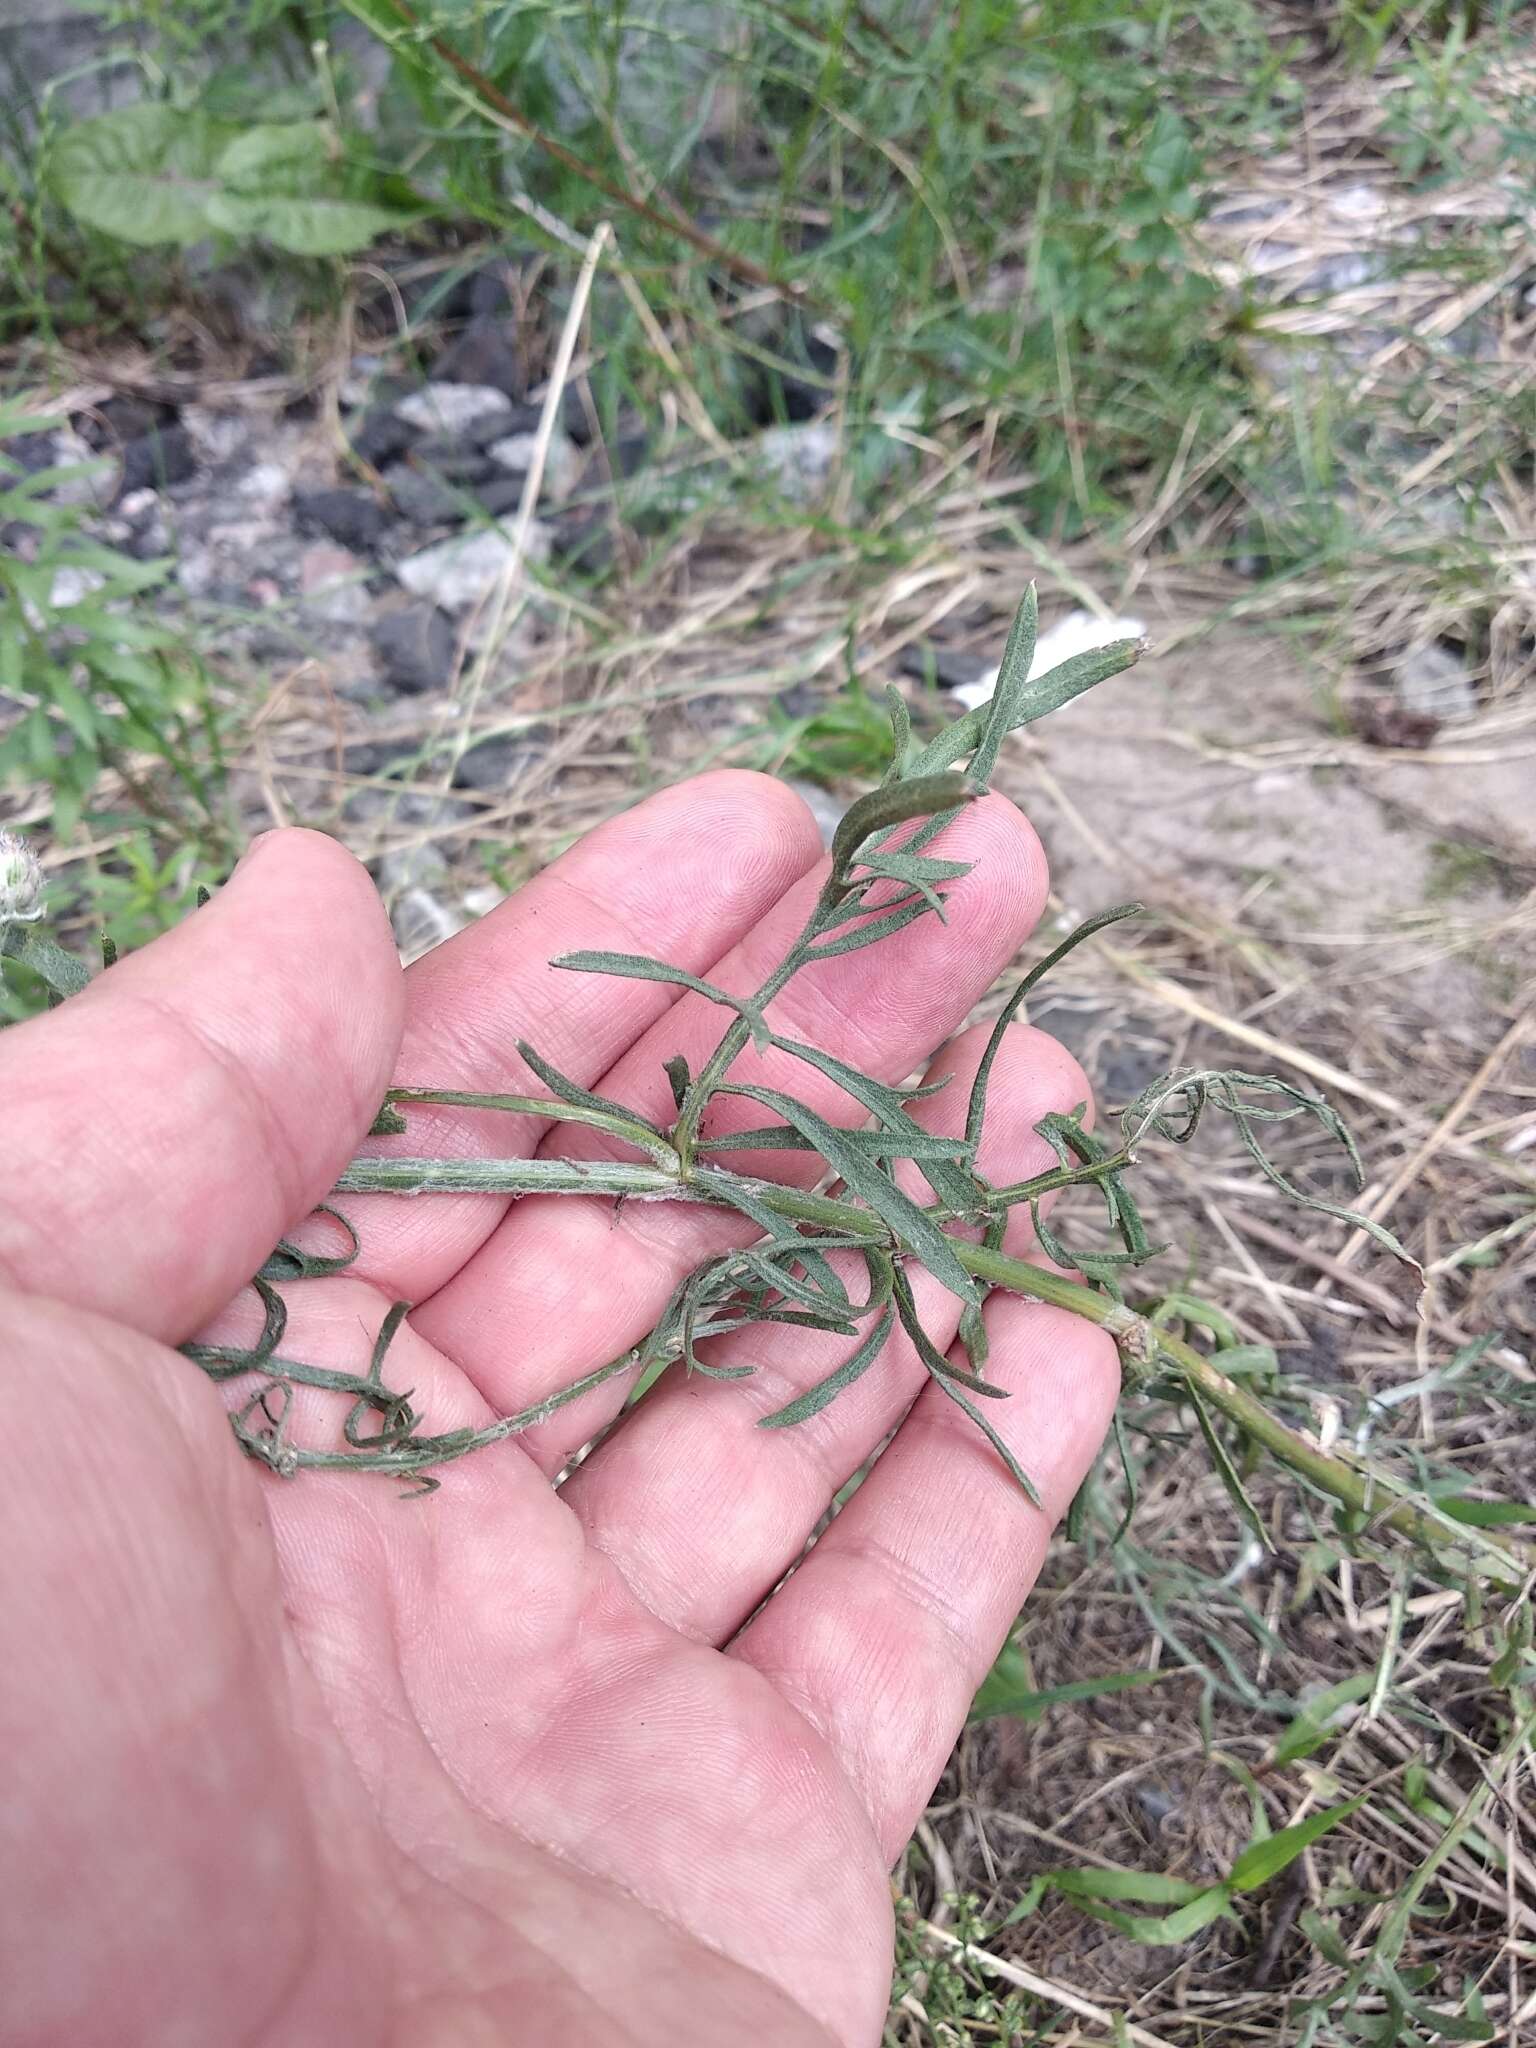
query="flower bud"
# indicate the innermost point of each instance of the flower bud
(21, 881)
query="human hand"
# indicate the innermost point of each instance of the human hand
(296, 1762)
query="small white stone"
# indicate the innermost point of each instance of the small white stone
(265, 484)
(800, 458)
(460, 572)
(452, 408)
(21, 881)
(71, 586)
(562, 461)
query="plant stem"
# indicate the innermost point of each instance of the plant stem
(1145, 1348)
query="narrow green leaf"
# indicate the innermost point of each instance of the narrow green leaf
(1020, 1477)
(1045, 694)
(916, 797)
(1008, 692)
(952, 1183)
(636, 967)
(1006, 1689)
(825, 1391)
(1140, 1887)
(1485, 1514)
(1318, 1719)
(911, 1227)
(883, 927)
(901, 733)
(1031, 981)
(1261, 1861)
(1227, 1471)
(564, 1089)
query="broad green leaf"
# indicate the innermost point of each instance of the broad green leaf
(59, 971)
(816, 1398)
(1261, 1861)
(287, 183)
(143, 174)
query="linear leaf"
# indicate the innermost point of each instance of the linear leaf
(637, 967)
(1045, 694)
(826, 1391)
(1008, 691)
(1261, 1861)
(914, 797)
(909, 1224)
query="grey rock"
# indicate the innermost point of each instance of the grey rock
(455, 408)
(1432, 682)
(354, 518)
(379, 437)
(458, 573)
(562, 461)
(168, 455)
(825, 806)
(331, 585)
(414, 648)
(484, 354)
(460, 460)
(410, 867)
(427, 499)
(422, 921)
(499, 764)
(582, 541)
(952, 668)
(422, 497)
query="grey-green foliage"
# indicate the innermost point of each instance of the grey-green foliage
(879, 881)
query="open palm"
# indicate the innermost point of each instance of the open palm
(305, 1761)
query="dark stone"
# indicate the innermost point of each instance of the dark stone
(428, 499)
(574, 417)
(354, 518)
(951, 667)
(455, 461)
(154, 460)
(489, 290)
(485, 353)
(581, 540)
(414, 648)
(628, 453)
(780, 395)
(379, 437)
(423, 497)
(29, 452)
(122, 418)
(497, 764)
